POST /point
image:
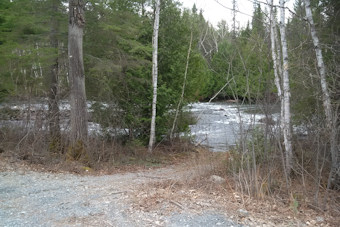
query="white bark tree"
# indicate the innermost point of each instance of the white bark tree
(76, 72)
(154, 75)
(276, 65)
(287, 133)
(335, 168)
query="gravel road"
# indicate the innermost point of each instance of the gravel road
(29, 198)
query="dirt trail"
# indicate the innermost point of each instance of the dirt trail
(29, 198)
(157, 197)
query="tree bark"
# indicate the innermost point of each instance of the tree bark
(287, 134)
(154, 76)
(53, 103)
(277, 73)
(76, 72)
(331, 126)
(277, 66)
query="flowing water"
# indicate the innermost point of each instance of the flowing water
(220, 124)
(218, 127)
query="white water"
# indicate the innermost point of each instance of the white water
(219, 124)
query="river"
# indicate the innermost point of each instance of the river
(219, 124)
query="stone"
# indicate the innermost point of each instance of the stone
(319, 219)
(243, 213)
(216, 179)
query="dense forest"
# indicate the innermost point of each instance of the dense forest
(288, 61)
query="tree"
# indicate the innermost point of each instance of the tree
(287, 134)
(276, 63)
(154, 75)
(334, 177)
(257, 22)
(76, 72)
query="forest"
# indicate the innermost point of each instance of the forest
(127, 65)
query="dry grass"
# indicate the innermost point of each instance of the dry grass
(191, 189)
(33, 149)
(198, 194)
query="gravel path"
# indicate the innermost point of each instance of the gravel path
(29, 198)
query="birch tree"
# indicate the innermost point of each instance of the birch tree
(154, 75)
(335, 175)
(76, 71)
(276, 65)
(287, 134)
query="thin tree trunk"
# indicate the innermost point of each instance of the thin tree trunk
(76, 72)
(277, 66)
(53, 104)
(277, 71)
(280, 69)
(325, 98)
(183, 88)
(287, 134)
(154, 76)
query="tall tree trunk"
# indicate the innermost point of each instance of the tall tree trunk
(334, 178)
(183, 88)
(276, 65)
(287, 133)
(76, 72)
(53, 103)
(154, 76)
(280, 73)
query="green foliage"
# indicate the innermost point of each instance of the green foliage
(305, 81)
(118, 54)
(258, 26)
(25, 54)
(119, 62)
(245, 65)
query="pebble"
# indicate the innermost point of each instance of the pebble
(319, 219)
(216, 179)
(243, 213)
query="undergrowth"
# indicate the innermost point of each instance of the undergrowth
(98, 155)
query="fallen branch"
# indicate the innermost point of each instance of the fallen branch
(177, 204)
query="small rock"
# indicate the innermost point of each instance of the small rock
(216, 179)
(243, 213)
(319, 219)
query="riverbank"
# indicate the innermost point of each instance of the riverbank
(193, 192)
(209, 183)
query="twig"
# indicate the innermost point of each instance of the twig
(116, 193)
(177, 204)
(153, 177)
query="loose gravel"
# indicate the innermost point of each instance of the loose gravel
(29, 198)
